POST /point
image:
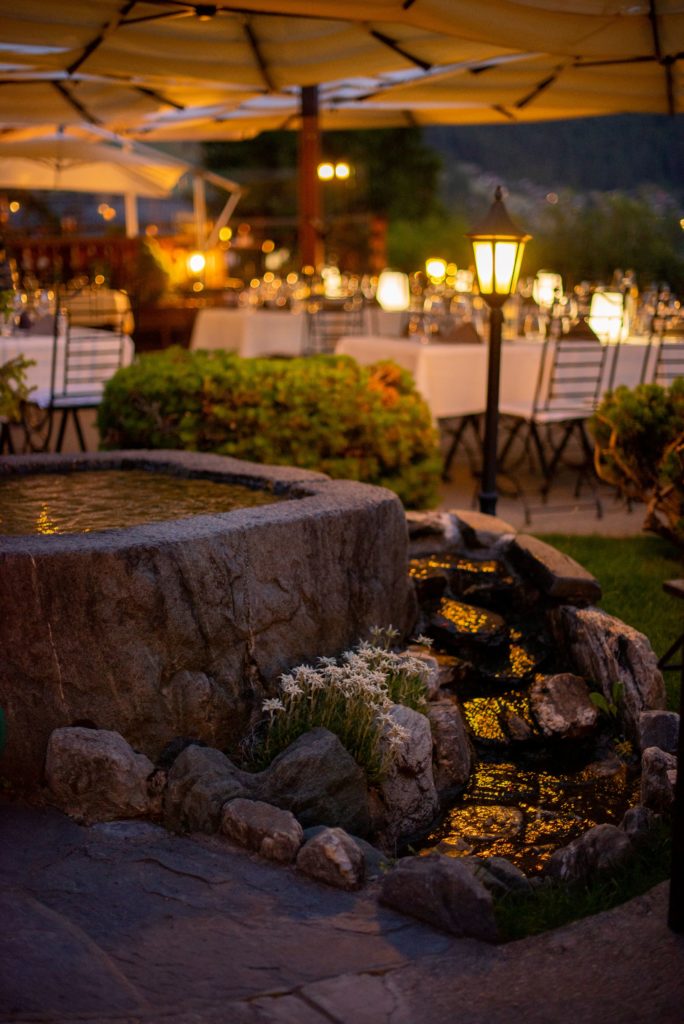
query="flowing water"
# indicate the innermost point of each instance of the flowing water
(83, 501)
(528, 795)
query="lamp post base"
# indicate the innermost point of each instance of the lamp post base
(488, 502)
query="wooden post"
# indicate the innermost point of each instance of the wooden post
(310, 224)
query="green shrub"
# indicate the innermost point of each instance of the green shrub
(13, 388)
(639, 436)
(325, 413)
(351, 699)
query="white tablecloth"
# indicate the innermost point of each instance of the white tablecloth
(38, 347)
(453, 378)
(250, 332)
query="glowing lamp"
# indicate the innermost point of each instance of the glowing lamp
(547, 286)
(393, 292)
(435, 269)
(498, 247)
(332, 282)
(607, 316)
(196, 262)
(325, 171)
(342, 170)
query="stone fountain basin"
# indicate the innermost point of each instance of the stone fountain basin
(181, 627)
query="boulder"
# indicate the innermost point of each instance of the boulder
(200, 781)
(606, 650)
(94, 775)
(407, 787)
(598, 850)
(430, 532)
(637, 822)
(555, 573)
(443, 892)
(196, 704)
(319, 781)
(374, 860)
(658, 777)
(562, 706)
(498, 875)
(659, 729)
(452, 754)
(482, 531)
(267, 830)
(333, 857)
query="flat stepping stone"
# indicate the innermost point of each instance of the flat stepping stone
(555, 573)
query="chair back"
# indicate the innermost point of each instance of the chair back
(329, 321)
(90, 357)
(570, 377)
(668, 341)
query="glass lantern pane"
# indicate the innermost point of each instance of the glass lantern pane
(484, 263)
(504, 266)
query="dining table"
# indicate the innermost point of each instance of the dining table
(253, 331)
(452, 377)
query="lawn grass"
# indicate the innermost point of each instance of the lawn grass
(631, 571)
(554, 904)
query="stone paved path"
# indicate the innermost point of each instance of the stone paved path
(127, 923)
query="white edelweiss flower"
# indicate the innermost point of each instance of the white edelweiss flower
(291, 687)
(424, 641)
(272, 705)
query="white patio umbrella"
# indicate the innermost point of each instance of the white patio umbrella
(107, 164)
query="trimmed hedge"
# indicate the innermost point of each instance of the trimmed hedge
(326, 413)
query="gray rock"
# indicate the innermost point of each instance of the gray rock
(658, 777)
(498, 874)
(482, 531)
(332, 857)
(555, 573)
(98, 624)
(197, 705)
(515, 727)
(200, 781)
(637, 822)
(600, 849)
(94, 775)
(659, 729)
(431, 532)
(407, 788)
(267, 830)
(452, 753)
(562, 706)
(443, 892)
(320, 782)
(605, 650)
(376, 863)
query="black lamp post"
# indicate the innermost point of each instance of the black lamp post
(498, 246)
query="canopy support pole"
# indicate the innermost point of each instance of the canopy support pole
(200, 208)
(131, 215)
(310, 224)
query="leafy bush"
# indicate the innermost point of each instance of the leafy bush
(639, 437)
(13, 388)
(325, 413)
(351, 699)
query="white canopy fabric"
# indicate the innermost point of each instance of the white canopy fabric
(77, 165)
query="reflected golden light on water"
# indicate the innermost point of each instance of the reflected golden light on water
(465, 617)
(45, 522)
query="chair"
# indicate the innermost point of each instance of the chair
(567, 391)
(329, 321)
(667, 339)
(83, 360)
